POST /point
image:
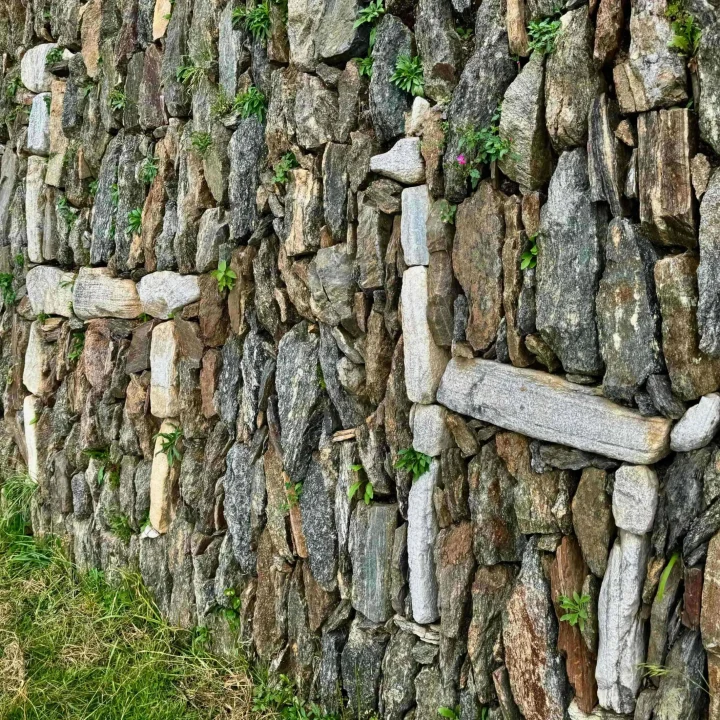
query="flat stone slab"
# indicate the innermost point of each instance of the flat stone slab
(547, 407)
(697, 426)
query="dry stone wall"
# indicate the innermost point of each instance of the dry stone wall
(244, 272)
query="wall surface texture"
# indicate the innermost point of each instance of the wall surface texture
(245, 274)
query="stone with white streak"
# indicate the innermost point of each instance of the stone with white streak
(33, 74)
(403, 162)
(38, 133)
(549, 408)
(621, 648)
(431, 434)
(697, 426)
(164, 390)
(424, 360)
(422, 531)
(97, 293)
(32, 407)
(413, 235)
(50, 290)
(162, 478)
(635, 498)
(38, 372)
(162, 293)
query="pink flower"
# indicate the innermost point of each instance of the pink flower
(461, 160)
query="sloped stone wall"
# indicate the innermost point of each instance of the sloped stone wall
(288, 300)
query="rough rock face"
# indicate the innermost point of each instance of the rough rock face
(388, 326)
(568, 270)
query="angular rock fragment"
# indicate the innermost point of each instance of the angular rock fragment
(454, 563)
(537, 674)
(50, 290)
(635, 498)
(572, 81)
(315, 112)
(96, 293)
(708, 312)
(548, 408)
(698, 426)
(522, 123)
(708, 60)
(628, 315)
(413, 235)
(33, 72)
(163, 483)
(399, 671)
(424, 360)
(163, 293)
(38, 132)
(653, 76)
(403, 162)
(569, 265)
(692, 373)
(593, 519)
(430, 432)
(666, 140)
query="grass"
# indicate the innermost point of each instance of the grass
(75, 647)
(250, 103)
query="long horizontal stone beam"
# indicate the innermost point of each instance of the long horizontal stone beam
(547, 407)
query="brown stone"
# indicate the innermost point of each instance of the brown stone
(90, 36)
(378, 357)
(432, 147)
(692, 598)
(516, 24)
(214, 323)
(531, 203)
(713, 660)
(692, 373)
(609, 26)
(320, 603)
(710, 615)
(567, 575)
(138, 358)
(454, 563)
(209, 373)
(666, 140)
(477, 262)
(241, 296)
(462, 434)
(593, 519)
(441, 297)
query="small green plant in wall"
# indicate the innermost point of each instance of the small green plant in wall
(365, 66)
(369, 15)
(283, 167)
(54, 57)
(169, 445)
(225, 276)
(416, 463)
(447, 212)
(6, 289)
(362, 487)
(665, 576)
(250, 103)
(66, 212)
(149, 170)
(293, 491)
(529, 258)
(449, 713)
(117, 99)
(201, 141)
(77, 344)
(408, 75)
(480, 147)
(575, 609)
(686, 31)
(231, 612)
(120, 526)
(134, 221)
(255, 20)
(542, 35)
(106, 470)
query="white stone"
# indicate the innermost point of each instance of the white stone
(635, 498)
(35, 207)
(424, 361)
(546, 407)
(422, 531)
(415, 118)
(38, 369)
(165, 292)
(598, 713)
(621, 648)
(162, 479)
(97, 293)
(50, 290)
(38, 132)
(403, 162)
(697, 426)
(413, 235)
(32, 407)
(33, 74)
(430, 431)
(164, 351)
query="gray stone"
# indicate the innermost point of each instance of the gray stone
(708, 63)
(422, 531)
(536, 669)
(246, 153)
(337, 37)
(698, 426)
(621, 648)
(568, 269)
(317, 509)
(38, 131)
(572, 81)
(431, 434)
(635, 498)
(299, 399)
(335, 189)
(403, 162)
(413, 235)
(708, 312)
(163, 293)
(315, 112)
(50, 290)
(681, 692)
(548, 408)
(399, 671)
(212, 233)
(653, 75)
(96, 293)
(332, 287)
(628, 316)
(372, 533)
(33, 73)
(593, 519)
(522, 123)
(373, 235)
(388, 103)
(482, 85)
(303, 213)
